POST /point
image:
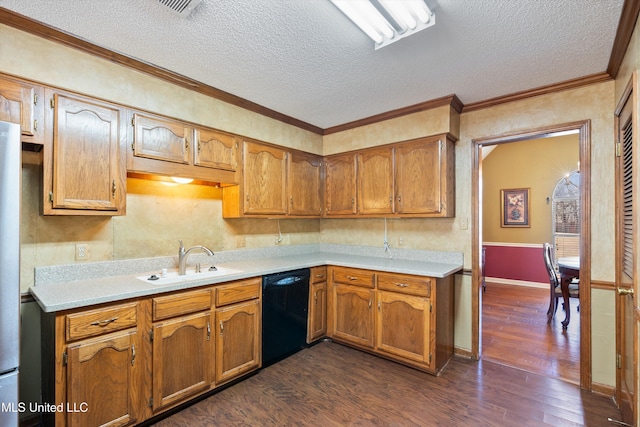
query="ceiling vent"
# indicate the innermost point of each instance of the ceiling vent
(182, 7)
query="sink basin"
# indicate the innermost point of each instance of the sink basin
(173, 277)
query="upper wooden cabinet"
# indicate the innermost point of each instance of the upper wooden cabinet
(425, 177)
(375, 181)
(215, 149)
(162, 139)
(305, 184)
(408, 179)
(23, 103)
(84, 171)
(340, 188)
(264, 179)
(170, 147)
(276, 183)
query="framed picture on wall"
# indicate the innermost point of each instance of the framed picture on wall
(515, 207)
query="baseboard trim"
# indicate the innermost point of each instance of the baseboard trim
(463, 352)
(501, 281)
(603, 389)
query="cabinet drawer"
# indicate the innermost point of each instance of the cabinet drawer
(238, 291)
(318, 274)
(406, 284)
(354, 276)
(183, 303)
(101, 321)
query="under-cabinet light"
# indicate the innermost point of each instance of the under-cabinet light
(181, 180)
(387, 21)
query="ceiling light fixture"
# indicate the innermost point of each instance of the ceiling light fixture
(180, 180)
(387, 21)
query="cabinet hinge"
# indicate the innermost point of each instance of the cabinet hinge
(52, 102)
(151, 335)
(430, 358)
(65, 359)
(430, 308)
(133, 121)
(35, 99)
(51, 196)
(151, 402)
(618, 150)
(619, 361)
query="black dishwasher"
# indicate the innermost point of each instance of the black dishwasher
(285, 299)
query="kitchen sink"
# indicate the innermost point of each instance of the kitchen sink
(173, 277)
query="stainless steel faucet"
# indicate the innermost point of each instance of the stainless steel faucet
(183, 254)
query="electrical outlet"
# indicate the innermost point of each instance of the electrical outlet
(82, 252)
(241, 241)
(401, 241)
(464, 223)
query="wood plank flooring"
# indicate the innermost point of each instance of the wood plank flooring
(333, 385)
(515, 332)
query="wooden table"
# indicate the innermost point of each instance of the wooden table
(569, 268)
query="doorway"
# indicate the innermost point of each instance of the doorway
(583, 130)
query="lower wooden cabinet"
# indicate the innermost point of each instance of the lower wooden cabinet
(402, 317)
(102, 381)
(238, 340)
(120, 364)
(353, 315)
(317, 321)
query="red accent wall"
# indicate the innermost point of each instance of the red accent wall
(515, 263)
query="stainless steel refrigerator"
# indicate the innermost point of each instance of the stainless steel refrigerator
(10, 173)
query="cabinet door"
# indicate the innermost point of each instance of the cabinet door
(317, 327)
(418, 177)
(264, 179)
(87, 172)
(182, 357)
(216, 150)
(340, 188)
(23, 103)
(305, 184)
(404, 326)
(101, 381)
(375, 181)
(353, 315)
(238, 342)
(161, 139)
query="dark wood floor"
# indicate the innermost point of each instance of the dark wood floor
(333, 385)
(515, 332)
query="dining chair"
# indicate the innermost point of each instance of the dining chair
(554, 282)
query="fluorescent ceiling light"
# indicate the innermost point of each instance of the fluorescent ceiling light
(386, 21)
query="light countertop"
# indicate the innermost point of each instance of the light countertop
(56, 294)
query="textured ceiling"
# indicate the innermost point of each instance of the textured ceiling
(305, 59)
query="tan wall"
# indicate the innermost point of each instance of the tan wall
(536, 164)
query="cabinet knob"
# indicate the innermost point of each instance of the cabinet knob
(402, 285)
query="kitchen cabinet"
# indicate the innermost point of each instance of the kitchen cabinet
(173, 148)
(340, 185)
(264, 179)
(91, 368)
(238, 329)
(161, 138)
(182, 349)
(317, 324)
(375, 183)
(23, 103)
(352, 311)
(412, 322)
(305, 184)
(275, 183)
(84, 169)
(215, 149)
(425, 177)
(404, 300)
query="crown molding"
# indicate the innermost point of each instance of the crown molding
(543, 90)
(31, 26)
(626, 25)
